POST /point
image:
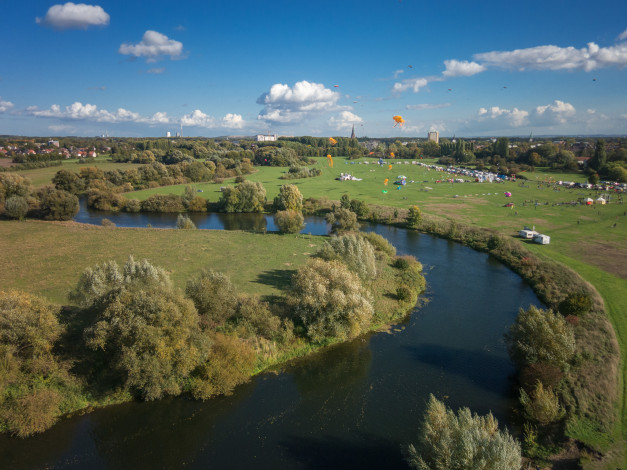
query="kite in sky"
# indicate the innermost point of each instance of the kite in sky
(398, 120)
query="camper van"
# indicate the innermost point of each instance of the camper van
(541, 239)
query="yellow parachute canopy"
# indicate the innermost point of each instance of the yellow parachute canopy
(332, 141)
(385, 182)
(391, 154)
(330, 160)
(398, 120)
(389, 167)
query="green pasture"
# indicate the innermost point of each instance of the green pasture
(43, 176)
(46, 258)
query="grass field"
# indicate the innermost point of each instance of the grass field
(46, 258)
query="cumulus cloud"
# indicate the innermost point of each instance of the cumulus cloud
(428, 106)
(410, 84)
(199, 119)
(91, 112)
(288, 104)
(557, 113)
(74, 16)
(513, 117)
(345, 120)
(557, 58)
(464, 68)
(5, 106)
(153, 46)
(233, 121)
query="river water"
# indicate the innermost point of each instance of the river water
(354, 405)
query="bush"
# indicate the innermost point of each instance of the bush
(329, 300)
(576, 303)
(230, 363)
(214, 297)
(342, 220)
(403, 293)
(547, 374)
(68, 181)
(185, 223)
(133, 205)
(355, 252)
(163, 203)
(360, 208)
(16, 207)
(379, 243)
(542, 406)
(540, 336)
(107, 223)
(462, 441)
(401, 263)
(289, 221)
(414, 217)
(255, 318)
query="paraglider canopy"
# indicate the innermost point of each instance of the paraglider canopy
(398, 120)
(508, 194)
(332, 141)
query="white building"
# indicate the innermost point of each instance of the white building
(434, 136)
(266, 138)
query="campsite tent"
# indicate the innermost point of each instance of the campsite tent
(588, 201)
(600, 201)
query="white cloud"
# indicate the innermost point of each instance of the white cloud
(288, 104)
(74, 16)
(153, 46)
(156, 71)
(233, 121)
(90, 112)
(513, 117)
(62, 128)
(464, 68)
(622, 35)
(5, 106)
(198, 119)
(557, 58)
(411, 83)
(557, 113)
(398, 72)
(428, 106)
(345, 120)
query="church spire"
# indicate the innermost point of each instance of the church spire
(353, 132)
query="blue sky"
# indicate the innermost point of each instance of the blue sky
(486, 68)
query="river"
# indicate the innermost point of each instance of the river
(354, 405)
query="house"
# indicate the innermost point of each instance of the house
(266, 138)
(541, 239)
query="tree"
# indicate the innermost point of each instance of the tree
(540, 336)
(289, 221)
(248, 196)
(151, 339)
(431, 149)
(355, 252)
(57, 204)
(288, 199)
(330, 300)
(501, 147)
(342, 220)
(414, 217)
(599, 159)
(106, 280)
(462, 441)
(16, 207)
(68, 181)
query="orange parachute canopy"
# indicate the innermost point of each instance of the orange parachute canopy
(330, 160)
(389, 167)
(391, 154)
(398, 120)
(332, 141)
(385, 182)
